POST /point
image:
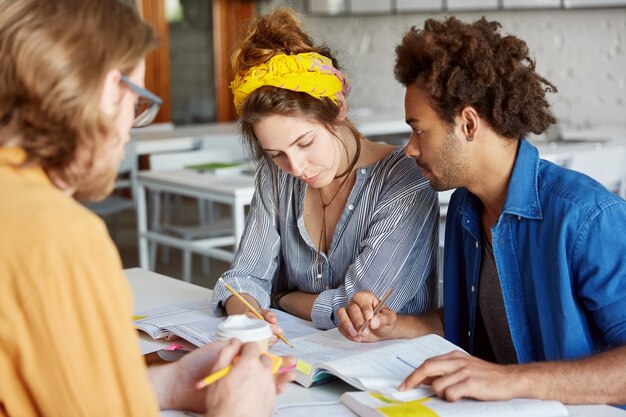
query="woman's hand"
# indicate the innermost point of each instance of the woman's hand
(272, 320)
(358, 311)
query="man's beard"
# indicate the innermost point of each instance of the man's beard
(449, 164)
(97, 187)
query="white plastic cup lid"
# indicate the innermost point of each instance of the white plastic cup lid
(244, 329)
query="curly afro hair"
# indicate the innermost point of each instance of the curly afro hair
(462, 64)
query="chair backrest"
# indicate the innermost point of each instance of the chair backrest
(179, 160)
(605, 165)
(444, 200)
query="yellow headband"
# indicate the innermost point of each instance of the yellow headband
(309, 72)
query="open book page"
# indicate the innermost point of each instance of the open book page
(194, 321)
(379, 366)
(158, 321)
(372, 405)
(384, 368)
(323, 347)
(293, 326)
(330, 409)
(198, 332)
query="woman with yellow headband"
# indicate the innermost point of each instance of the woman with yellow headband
(334, 213)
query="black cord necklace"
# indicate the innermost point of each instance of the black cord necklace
(323, 238)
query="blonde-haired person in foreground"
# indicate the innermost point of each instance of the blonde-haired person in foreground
(71, 73)
(333, 213)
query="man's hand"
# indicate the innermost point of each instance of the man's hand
(249, 388)
(458, 375)
(174, 384)
(358, 311)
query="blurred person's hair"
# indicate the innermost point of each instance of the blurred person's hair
(54, 56)
(460, 64)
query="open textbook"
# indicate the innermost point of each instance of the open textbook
(194, 321)
(367, 404)
(379, 366)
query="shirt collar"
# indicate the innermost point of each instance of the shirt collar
(522, 198)
(14, 157)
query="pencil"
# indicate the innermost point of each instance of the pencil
(277, 361)
(376, 310)
(215, 376)
(252, 309)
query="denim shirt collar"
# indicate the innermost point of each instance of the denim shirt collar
(522, 198)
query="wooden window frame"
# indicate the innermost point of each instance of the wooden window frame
(228, 17)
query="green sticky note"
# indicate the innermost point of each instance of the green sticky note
(214, 165)
(135, 318)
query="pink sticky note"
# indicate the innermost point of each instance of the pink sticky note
(173, 346)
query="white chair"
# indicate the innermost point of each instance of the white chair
(444, 201)
(209, 224)
(607, 165)
(123, 196)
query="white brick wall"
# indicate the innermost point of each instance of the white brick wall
(583, 52)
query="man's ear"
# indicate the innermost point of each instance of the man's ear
(111, 92)
(470, 122)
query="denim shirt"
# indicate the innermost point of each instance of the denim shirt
(560, 251)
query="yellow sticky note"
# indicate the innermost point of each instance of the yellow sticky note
(384, 399)
(303, 367)
(408, 409)
(135, 318)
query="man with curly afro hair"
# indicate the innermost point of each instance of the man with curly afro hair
(535, 254)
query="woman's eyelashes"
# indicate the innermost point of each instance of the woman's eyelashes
(307, 144)
(301, 145)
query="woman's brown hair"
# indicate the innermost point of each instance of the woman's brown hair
(462, 64)
(54, 56)
(279, 32)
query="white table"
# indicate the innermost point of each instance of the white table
(380, 122)
(233, 190)
(226, 134)
(185, 138)
(153, 290)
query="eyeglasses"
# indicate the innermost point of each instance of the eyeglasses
(147, 106)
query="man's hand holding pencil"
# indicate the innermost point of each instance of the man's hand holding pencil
(250, 383)
(363, 307)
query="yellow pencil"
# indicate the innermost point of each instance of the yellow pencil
(215, 376)
(376, 310)
(252, 309)
(277, 361)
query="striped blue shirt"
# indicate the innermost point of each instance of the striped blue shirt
(387, 236)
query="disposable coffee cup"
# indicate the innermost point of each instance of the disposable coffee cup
(246, 330)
